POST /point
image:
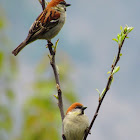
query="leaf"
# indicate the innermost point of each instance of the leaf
(131, 29)
(118, 36)
(97, 90)
(108, 72)
(116, 69)
(55, 47)
(102, 94)
(120, 40)
(121, 28)
(127, 29)
(122, 37)
(120, 54)
(103, 91)
(115, 39)
(99, 94)
(56, 96)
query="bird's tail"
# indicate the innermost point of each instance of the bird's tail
(19, 48)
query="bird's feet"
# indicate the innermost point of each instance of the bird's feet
(87, 131)
(50, 45)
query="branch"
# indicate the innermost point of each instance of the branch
(42, 2)
(52, 50)
(121, 38)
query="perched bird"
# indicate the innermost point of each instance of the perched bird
(75, 122)
(47, 25)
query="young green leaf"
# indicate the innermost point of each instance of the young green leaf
(116, 69)
(97, 90)
(122, 37)
(101, 95)
(55, 47)
(120, 54)
(118, 36)
(127, 29)
(108, 72)
(115, 39)
(56, 96)
(121, 28)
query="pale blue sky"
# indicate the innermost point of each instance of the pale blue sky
(87, 39)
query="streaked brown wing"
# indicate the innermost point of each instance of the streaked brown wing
(45, 21)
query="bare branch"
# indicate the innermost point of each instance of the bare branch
(52, 62)
(59, 91)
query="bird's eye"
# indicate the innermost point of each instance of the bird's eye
(63, 3)
(78, 107)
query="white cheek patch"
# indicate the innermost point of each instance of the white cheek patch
(75, 112)
(53, 21)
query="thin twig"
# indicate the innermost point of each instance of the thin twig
(42, 2)
(59, 91)
(106, 89)
(52, 62)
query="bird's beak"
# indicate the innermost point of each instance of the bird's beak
(68, 5)
(83, 108)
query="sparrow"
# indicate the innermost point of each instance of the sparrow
(47, 25)
(75, 122)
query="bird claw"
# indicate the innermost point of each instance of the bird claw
(50, 43)
(87, 131)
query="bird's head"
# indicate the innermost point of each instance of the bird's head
(76, 109)
(59, 5)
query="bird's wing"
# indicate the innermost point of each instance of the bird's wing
(45, 21)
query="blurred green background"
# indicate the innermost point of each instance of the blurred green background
(28, 110)
(39, 115)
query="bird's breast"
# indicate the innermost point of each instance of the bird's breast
(56, 29)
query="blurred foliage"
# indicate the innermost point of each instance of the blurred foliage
(7, 71)
(40, 117)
